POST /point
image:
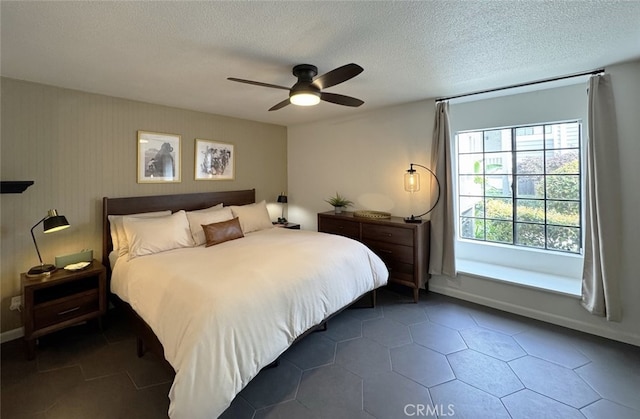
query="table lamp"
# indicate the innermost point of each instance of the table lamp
(52, 222)
(282, 199)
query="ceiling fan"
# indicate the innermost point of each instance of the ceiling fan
(308, 92)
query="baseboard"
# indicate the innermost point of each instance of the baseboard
(10, 335)
(630, 338)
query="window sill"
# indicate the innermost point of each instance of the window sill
(529, 279)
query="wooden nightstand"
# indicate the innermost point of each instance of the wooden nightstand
(62, 299)
(290, 226)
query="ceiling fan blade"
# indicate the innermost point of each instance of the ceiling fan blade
(337, 76)
(257, 83)
(280, 105)
(341, 99)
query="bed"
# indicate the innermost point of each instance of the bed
(219, 312)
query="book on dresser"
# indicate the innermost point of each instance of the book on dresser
(404, 247)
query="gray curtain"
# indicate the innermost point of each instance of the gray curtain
(600, 276)
(442, 259)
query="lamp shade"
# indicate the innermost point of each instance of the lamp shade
(282, 198)
(411, 181)
(54, 222)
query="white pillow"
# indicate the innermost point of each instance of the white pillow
(118, 236)
(147, 236)
(253, 217)
(213, 208)
(199, 218)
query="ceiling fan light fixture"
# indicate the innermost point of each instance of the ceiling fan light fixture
(305, 98)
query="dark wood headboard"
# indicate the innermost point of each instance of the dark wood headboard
(187, 202)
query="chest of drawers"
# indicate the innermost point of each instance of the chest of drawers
(403, 247)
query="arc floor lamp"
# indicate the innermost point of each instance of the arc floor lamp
(412, 184)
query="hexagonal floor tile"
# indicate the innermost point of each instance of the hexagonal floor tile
(500, 321)
(614, 382)
(273, 385)
(401, 396)
(421, 364)
(553, 350)
(492, 343)
(386, 332)
(405, 313)
(311, 352)
(460, 400)
(343, 327)
(364, 313)
(484, 372)
(607, 409)
(239, 409)
(528, 404)
(552, 380)
(436, 337)
(331, 385)
(363, 357)
(451, 316)
(291, 409)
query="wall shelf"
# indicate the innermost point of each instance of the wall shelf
(14, 186)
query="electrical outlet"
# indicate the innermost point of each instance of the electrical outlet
(16, 303)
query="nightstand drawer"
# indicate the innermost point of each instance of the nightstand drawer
(57, 311)
(340, 227)
(390, 252)
(388, 234)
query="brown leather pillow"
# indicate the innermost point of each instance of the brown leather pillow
(217, 233)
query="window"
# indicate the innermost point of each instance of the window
(521, 186)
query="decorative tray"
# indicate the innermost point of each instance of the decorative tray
(371, 214)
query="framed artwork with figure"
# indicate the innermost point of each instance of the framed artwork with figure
(158, 157)
(214, 160)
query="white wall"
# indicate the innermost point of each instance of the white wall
(365, 156)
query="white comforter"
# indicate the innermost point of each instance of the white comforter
(224, 312)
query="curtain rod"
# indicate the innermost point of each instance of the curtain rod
(531, 83)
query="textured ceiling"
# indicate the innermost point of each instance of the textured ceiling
(180, 53)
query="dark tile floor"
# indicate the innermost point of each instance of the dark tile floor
(442, 356)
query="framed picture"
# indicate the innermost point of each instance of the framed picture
(214, 160)
(158, 157)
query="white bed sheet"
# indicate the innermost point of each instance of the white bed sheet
(224, 312)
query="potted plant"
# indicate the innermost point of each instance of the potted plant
(339, 202)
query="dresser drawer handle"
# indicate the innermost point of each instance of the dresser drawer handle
(385, 251)
(389, 234)
(71, 310)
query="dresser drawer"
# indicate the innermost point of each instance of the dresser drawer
(400, 271)
(390, 252)
(341, 227)
(388, 234)
(71, 307)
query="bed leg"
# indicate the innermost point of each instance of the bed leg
(139, 346)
